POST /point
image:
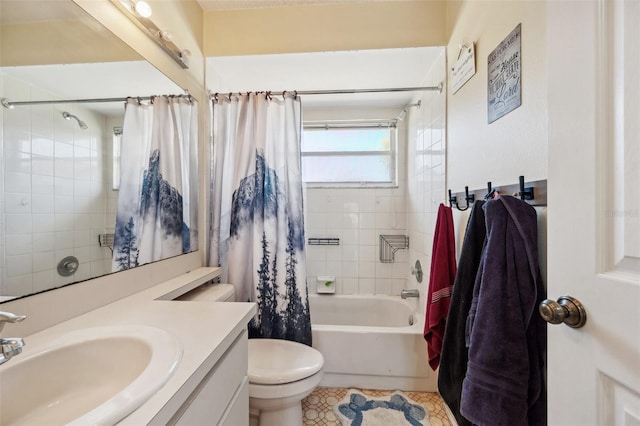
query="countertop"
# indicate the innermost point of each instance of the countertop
(205, 331)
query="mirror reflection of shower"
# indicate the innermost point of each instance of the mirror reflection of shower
(81, 123)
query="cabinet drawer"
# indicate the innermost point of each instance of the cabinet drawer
(238, 411)
(211, 397)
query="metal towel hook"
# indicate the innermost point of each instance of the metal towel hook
(469, 198)
(525, 193)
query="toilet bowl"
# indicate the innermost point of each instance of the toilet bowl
(281, 374)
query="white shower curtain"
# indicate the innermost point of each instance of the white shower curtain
(257, 213)
(157, 206)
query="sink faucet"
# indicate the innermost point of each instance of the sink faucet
(409, 293)
(10, 346)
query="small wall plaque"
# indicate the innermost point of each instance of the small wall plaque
(464, 68)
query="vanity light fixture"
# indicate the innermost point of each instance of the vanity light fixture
(139, 12)
(143, 9)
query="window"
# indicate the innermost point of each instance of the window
(355, 155)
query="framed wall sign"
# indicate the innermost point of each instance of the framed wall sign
(504, 88)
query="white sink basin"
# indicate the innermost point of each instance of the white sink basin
(92, 376)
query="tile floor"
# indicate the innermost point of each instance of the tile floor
(318, 407)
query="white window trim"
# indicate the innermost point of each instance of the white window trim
(393, 153)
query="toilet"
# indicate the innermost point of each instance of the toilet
(281, 373)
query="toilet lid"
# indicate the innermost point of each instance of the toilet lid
(275, 361)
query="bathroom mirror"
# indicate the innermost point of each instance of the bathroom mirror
(59, 168)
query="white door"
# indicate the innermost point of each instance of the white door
(594, 209)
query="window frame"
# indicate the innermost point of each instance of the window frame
(392, 153)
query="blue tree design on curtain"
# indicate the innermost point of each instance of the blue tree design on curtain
(126, 250)
(159, 202)
(297, 317)
(282, 313)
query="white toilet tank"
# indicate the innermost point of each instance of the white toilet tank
(211, 293)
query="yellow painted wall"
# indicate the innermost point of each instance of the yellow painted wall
(355, 26)
(60, 42)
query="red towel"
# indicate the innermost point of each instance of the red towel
(443, 273)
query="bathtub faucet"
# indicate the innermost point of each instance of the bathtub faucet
(10, 346)
(409, 293)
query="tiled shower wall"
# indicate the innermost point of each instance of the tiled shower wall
(426, 142)
(55, 192)
(359, 215)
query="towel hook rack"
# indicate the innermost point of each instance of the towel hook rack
(469, 198)
(533, 193)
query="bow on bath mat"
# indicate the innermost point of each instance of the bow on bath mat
(357, 409)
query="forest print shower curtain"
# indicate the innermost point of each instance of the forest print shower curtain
(257, 212)
(157, 208)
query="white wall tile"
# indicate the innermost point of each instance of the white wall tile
(17, 203)
(42, 146)
(43, 241)
(44, 280)
(63, 166)
(64, 240)
(15, 161)
(383, 286)
(43, 261)
(350, 269)
(350, 286)
(350, 253)
(43, 203)
(367, 220)
(18, 224)
(43, 222)
(19, 265)
(367, 254)
(367, 286)
(17, 182)
(18, 244)
(63, 204)
(367, 269)
(41, 184)
(335, 253)
(17, 286)
(368, 237)
(63, 222)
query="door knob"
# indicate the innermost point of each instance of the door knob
(566, 309)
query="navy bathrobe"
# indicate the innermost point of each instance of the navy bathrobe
(454, 356)
(506, 336)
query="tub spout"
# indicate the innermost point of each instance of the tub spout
(409, 293)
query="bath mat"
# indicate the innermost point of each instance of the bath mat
(358, 409)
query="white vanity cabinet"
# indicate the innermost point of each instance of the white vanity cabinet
(221, 397)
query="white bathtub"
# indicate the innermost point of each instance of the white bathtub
(368, 342)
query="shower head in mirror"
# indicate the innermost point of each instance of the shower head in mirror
(81, 123)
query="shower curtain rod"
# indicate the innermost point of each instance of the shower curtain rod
(437, 88)
(10, 104)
